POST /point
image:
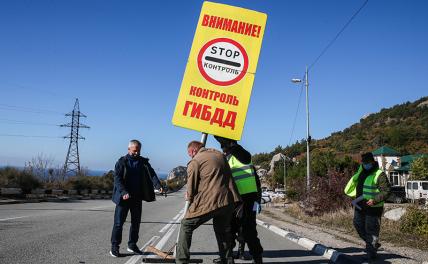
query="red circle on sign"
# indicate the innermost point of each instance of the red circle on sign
(222, 83)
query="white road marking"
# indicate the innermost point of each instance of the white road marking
(178, 215)
(136, 258)
(100, 207)
(159, 245)
(12, 218)
(173, 221)
(152, 240)
(166, 237)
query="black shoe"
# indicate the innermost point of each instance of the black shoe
(134, 249)
(241, 256)
(370, 258)
(230, 261)
(223, 261)
(114, 252)
(258, 260)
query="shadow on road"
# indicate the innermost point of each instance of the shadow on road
(162, 222)
(286, 253)
(319, 261)
(382, 257)
(343, 259)
(58, 209)
(271, 254)
(349, 250)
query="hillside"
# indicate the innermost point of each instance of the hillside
(403, 127)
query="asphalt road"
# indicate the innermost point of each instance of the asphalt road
(79, 232)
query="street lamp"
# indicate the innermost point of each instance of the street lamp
(308, 137)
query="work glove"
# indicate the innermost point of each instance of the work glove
(257, 208)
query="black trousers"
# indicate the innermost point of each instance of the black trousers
(120, 214)
(245, 229)
(368, 227)
(221, 221)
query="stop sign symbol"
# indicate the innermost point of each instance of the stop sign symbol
(223, 61)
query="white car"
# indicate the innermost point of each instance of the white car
(266, 199)
(417, 190)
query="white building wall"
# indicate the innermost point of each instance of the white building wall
(387, 159)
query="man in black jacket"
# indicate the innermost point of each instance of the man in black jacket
(244, 225)
(134, 180)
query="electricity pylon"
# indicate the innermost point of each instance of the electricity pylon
(72, 161)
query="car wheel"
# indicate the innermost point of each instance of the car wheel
(398, 200)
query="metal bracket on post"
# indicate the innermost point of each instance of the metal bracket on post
(164, 256)
(204, 138)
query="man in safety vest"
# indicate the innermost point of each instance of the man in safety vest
(369, 187)
(248, 185)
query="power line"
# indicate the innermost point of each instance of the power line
(27, 136)
(318, 58)
(28, 88)
(20, 122)
(27, 109)
(338, 34)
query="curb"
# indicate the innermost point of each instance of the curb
(10, 202)
(319, 249)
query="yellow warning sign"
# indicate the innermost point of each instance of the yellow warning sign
(219, 76)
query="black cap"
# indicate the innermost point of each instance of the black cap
(225, 142)
(367, 157)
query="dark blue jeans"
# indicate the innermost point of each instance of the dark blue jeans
(120, 214)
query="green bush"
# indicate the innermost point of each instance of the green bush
(14, 178)
(27, 182)
(419, 168)
(175, 185)
(81, 182)
(415, 221)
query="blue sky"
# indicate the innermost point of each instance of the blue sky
(125, 60)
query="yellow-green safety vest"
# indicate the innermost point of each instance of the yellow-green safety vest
(370, 189)
(243, 175)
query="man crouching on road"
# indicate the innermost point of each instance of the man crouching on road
(133, 182)
(211, 194)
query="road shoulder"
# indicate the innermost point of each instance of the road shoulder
(333, 244)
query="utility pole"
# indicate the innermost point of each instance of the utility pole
(285, 159)
(285, 177)
(72, 161)
(308, 136)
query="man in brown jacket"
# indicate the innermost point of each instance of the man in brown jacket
(212, 194)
